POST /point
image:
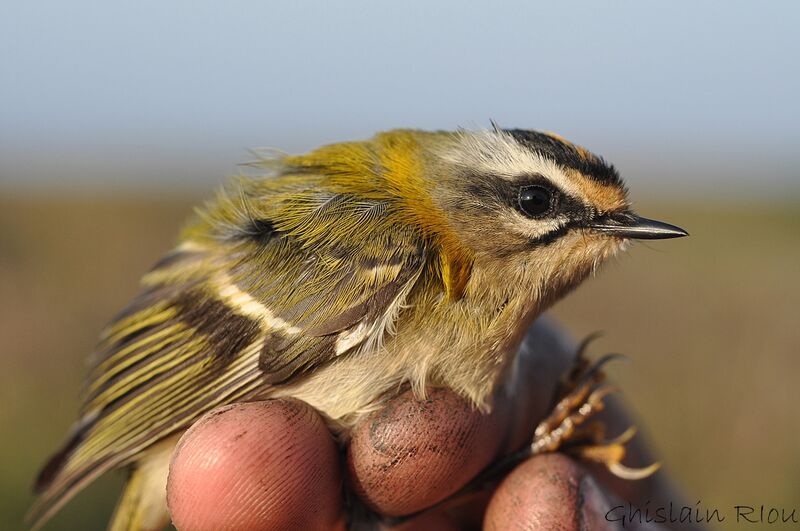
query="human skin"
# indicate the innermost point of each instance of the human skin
(274, 464)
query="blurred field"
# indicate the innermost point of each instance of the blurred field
(710, 322)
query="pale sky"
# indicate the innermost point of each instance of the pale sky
(150, 94)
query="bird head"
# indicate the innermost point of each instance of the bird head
(532, 208)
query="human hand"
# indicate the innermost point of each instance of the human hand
(275, 465)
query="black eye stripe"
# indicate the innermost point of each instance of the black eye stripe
(490, 190)
(563, 204)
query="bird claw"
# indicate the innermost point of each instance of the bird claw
(611, 453)
(581, 396)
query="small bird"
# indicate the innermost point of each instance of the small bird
(338, 277)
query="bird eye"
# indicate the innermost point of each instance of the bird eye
(535, 201)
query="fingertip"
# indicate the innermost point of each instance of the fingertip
(414, 453)
(258, 465)
(550, 492)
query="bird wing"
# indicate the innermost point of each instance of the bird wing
(258, 294)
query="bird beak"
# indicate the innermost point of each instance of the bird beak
(629, 225)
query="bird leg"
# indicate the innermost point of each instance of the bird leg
(580, 396)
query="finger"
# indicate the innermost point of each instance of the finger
(551, 491)
(414, 453)
(260, 465)
(548, 492)
(440, 444)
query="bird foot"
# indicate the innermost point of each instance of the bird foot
(580, 397)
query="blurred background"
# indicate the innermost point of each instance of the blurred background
(116, 118)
